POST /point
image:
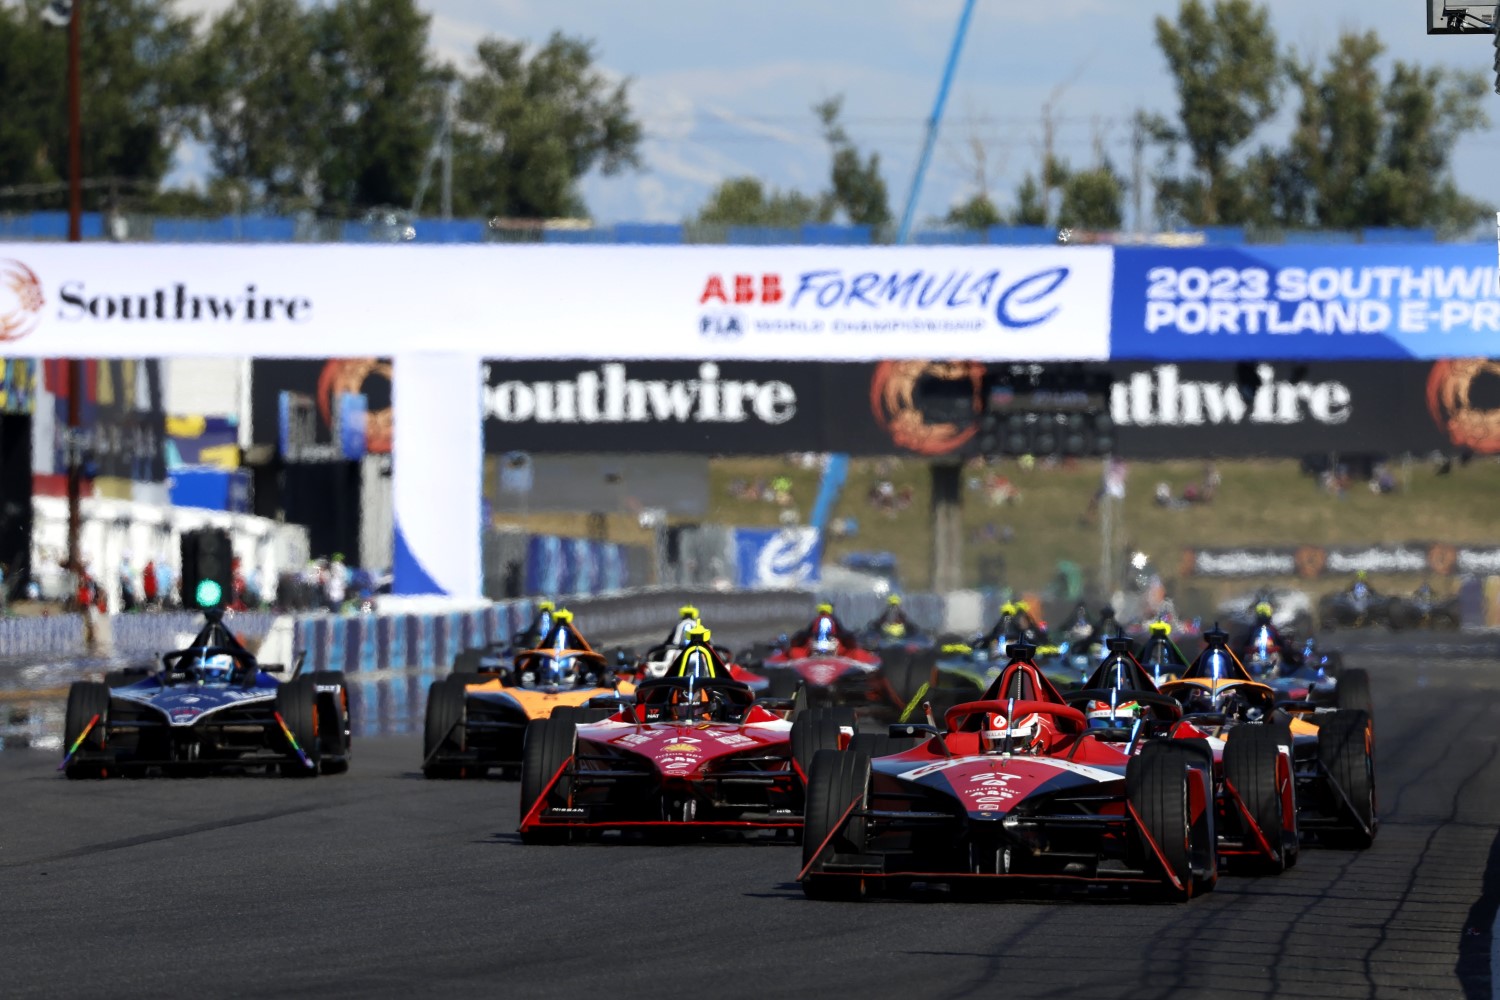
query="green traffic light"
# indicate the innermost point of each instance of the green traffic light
(209, 594)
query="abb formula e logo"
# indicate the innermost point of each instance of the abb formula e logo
(892, 300)
(21, 300)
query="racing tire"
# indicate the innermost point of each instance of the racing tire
(462, 678)
(837, 779)
(336, 734)
(1252, 765)
(443, 730)
(549, 746)
(813, 731)
(875, 745)
(86, 699)
(1353, 692)
(124, 678)
(1157, 790)
(297, 704)
(467, 662)
(581, 715)
(1346, 743)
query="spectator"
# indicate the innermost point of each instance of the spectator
(148, 583)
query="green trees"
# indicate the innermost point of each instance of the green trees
(856, 189)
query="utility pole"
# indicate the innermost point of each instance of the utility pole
(75, 235)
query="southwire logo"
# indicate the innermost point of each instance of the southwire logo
(1159, 398)
(177, 303)
(835, 300)
(609, 396)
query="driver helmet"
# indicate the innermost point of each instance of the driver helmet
(894, 600)
(216, 668)
(1263, 611)
(545, 606)
(825, 638)
(687, 705)
(1103, 715)
(1024, 734)
(825, 608)
(687, 611)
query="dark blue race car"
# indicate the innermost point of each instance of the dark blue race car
(210, 706)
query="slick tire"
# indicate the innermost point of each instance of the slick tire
(781, 683)
(814, 730)
(1346, 742)
(335, 731)
(1353, 692)
(581, 715)
(86, 699)
(1156, 787)
(467, 662)
(297, 704)
(549, 747)
(837, 779)
(443, 729)
(1252, 767)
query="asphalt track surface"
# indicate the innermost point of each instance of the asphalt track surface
(378, 883)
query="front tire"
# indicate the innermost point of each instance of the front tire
(549, 748)
(837, 780)
(334, 727)
(1345, 750)
(815, 730)
(86, 699)
(1156, 787)
(443, 730)
(297, 704)
(1252, 767)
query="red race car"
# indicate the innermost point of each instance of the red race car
(687, 753)
(829, 663)
(1014, 788)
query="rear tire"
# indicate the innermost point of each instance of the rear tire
(86, 699)
(781, 683)
(333, 720)
(549, 746)
(1345, 745)
(297, 703)
(1353, 692)
(443, 731)
(836, 779)
(1252, 758)
(814, 730)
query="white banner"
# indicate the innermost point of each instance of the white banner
(543, 301)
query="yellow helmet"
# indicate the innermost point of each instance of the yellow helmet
(893, 599)
(563, 616)
(825, 609)
(688, 611)
(545, 606)
(1161, 628)
(1263, 609)
(1007, 608)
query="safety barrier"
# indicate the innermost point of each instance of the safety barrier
(431, 640)
(53, 635)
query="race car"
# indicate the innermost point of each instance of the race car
(210, 706)
(1014, 788)
(1332, 759)
(827, 662)
(1255, 819)
(659, 660)
(477, 721)
(689, 754)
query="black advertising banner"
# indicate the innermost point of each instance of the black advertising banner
(1311, 561)
(1205, 409)
(1159, 410)
(120, 413)
(323, 382)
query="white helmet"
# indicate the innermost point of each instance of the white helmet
(1020, 733)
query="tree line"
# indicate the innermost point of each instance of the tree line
(331, 108)
(335, 109)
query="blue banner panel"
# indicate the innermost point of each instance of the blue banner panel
(777, 557)
(1306, 302)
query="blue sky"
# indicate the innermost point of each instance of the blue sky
(725, 89)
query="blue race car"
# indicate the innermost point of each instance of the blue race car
(210, 706)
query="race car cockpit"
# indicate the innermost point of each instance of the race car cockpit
(1161, 658)
(826, 635)
(692, 699)
(564, 658)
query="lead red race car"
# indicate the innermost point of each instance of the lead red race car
(686, 754)
(1015, 788)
